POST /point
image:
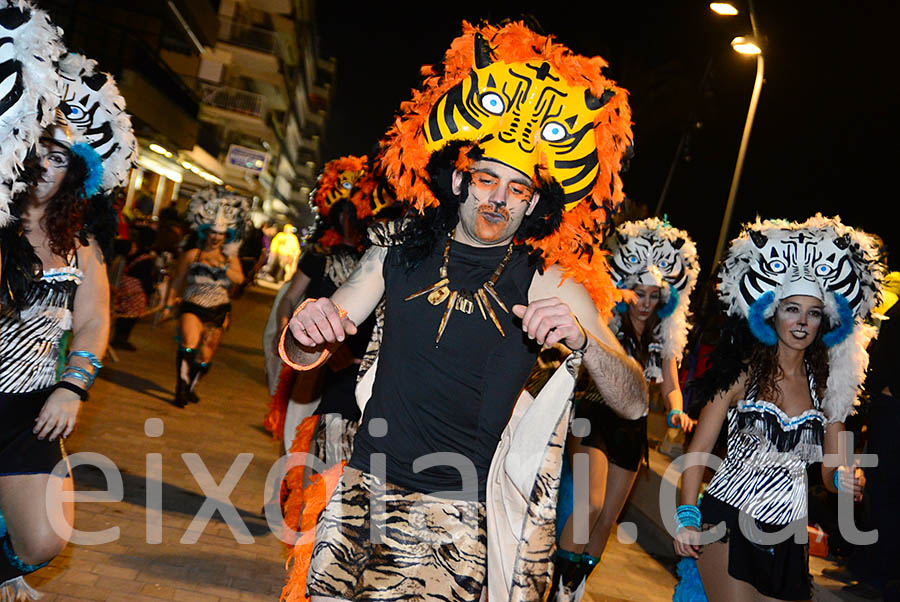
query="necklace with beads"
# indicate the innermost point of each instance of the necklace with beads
(463, 300)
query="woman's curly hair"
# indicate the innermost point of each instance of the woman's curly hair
(738, 351)
(765, 370)
(63, 220)
(64, 217)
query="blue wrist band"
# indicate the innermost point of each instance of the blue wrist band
(95, 361)
(79, 373)
(687, 515)
(837, 480)
(670, 415)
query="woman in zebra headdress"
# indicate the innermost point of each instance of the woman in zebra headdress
(203, 279)
(54, 281)
(785, 376)
(658, 264)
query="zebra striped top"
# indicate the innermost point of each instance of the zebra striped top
(29, 343)
(764, 472)
(206, 286)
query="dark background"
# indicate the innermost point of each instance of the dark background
(825, 130)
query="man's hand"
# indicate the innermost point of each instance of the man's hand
(318, 322)
(550, 321)
(58, 415)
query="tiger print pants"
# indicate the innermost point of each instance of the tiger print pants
(377, 541)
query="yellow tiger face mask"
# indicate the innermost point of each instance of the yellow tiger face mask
(342, 188)
(524, 115)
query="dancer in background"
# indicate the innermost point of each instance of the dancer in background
(658, 264)
(331, 255)
(202, 280)
(784, 376)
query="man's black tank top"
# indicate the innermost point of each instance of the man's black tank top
(454, 396)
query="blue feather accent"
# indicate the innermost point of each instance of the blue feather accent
(621, 307)
(94, 179)
(689, 587)
(565, 498)
(756, 318)
(669, 308)
(845, 327)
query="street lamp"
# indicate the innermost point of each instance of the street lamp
(744, 45)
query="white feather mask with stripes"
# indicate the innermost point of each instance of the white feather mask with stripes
(29, 92)
(772, 260)
(652, 252)
(95, 110)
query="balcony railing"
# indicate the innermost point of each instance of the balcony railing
(250, 36)
(232, 99)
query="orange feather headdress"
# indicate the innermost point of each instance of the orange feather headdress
(598, 122)
(336, 181)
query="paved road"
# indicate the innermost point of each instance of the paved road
(226, 422)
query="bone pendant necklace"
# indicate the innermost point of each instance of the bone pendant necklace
(463, 300)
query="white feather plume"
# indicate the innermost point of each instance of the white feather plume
(116, 167)
(672, 331)
(37, 44)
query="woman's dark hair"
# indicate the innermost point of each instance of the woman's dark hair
(64, 217)
(641, 345)
(63, 221)
(766, 371)
(102, 222)
(333, 221)
(425, 230)
(737, 351)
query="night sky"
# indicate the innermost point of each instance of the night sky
(825, 132)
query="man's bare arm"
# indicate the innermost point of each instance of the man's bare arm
(319, 325)
(618, 377)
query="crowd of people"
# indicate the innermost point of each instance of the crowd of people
(470, 330)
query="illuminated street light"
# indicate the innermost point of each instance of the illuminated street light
(723, 8)
(745, 45)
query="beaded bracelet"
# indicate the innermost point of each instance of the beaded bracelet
(95, 361)
(687, 515)
(80, 373)
(325, 352)
(670, 415)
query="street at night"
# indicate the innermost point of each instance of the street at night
(531, 301)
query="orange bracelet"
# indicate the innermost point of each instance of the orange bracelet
(325, 352)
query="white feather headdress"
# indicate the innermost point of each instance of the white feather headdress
(843, 267)
(29, 93)
(653, 252)
(95, 110)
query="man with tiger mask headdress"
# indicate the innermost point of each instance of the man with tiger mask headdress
(509, 159)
